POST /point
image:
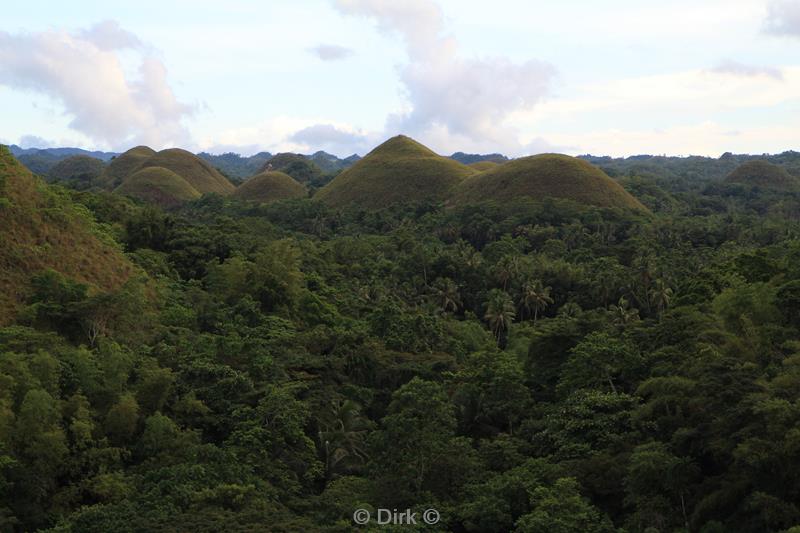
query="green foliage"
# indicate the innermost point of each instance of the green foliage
(269, 187)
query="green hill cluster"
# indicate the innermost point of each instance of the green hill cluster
(760, 173)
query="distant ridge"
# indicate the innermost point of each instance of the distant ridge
(269, 187)
(78, 168)
(469, 159)
(399, 170)
(543, 176)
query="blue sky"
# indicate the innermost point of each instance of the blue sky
(616, 77)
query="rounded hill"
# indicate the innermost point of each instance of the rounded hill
(197, 172)
(399, 170)
(480, 166)
(546, 176)
(79, 168)
(158, 185)
(764, 174)
(126, 164)
(299, 167)
(270, 187)
(42, 230)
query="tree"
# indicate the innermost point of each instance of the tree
(414, 441)
(500, 312)
(447, 294)
(534, 297)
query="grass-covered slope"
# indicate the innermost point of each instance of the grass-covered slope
(269, 187)
(399, 170)
(480, 166)
(80, 168)
(158, 185)
(199, 173)
(542, 176)
(41, 229)
(126, 164)
(764, 174)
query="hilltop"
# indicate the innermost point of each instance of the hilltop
(764, 174)
(546, 175)
(480, 166)
(197, 172)
(269, 187)
(83, 169)
(126, 164)
(297, 166)
(399, 170)
(41, 229)
(158, 185)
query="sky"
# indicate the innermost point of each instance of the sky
(617, 77)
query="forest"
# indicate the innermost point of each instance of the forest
(534, 365)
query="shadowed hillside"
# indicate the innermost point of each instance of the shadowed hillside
(158, 185)
(542, 176)
(762, 173)
(40, 229)
(399, 170)
(79, 168)
(270, 187)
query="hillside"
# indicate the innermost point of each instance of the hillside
(158, 185)
(764, 174)
(79, 168)
(297, 166)
(126, 164)
(399, 170)
(270, 187)
(197, 172)
(480, 166)
(40, 229)
(546, 175)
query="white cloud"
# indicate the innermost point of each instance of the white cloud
(34, 141)
(783, 18)
(741, 69)
(706, 138)
(451, 97)
(331, 52)
(333, 139)
(86, 73)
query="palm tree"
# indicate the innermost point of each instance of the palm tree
(660, 296)
(623, 314)
(535, 297)
(500, 312)
(506, 268)
(447, 295)
(342, 439)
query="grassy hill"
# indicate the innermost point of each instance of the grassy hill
(480, 166)
(126, 164)
(297, 166)
(81, 168)
(399, 170)
(158, 185)
(269, 187)
(197, 172)
(41, 229)
(546, 175)
(764, 174)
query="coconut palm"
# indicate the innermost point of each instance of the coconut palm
(506, 268)
(660, 296)
(500, 312)
(447, 295)
(534, 298)
(342, 437)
